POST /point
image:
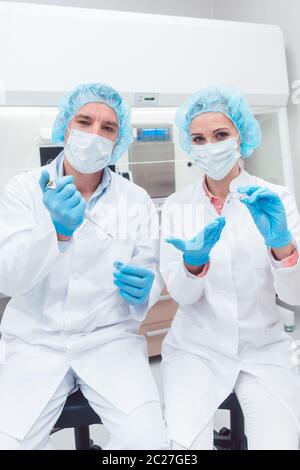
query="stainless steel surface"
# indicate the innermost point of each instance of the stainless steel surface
(152, 163)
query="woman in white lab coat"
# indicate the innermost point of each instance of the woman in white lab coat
(229, 244)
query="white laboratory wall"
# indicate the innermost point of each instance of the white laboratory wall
(266, 161)
(20, 135)
(286, 14)
(158, 55)
(21, 131)
(194, 8)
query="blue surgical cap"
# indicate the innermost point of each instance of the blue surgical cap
(228, 101)
(94, 93)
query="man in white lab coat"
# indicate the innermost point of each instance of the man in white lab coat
(78, 257)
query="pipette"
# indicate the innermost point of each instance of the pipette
(236, 195)
(89, 217)
(52, 185)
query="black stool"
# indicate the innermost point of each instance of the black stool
(233, 438)
(78, 414)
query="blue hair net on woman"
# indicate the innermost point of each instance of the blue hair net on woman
(94, 93)
(228, 101)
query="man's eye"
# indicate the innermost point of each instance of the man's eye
(109, 129)
(83, 123)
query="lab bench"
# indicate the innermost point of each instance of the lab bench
(157, 323)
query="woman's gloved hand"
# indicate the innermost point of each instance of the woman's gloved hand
(65, 204)
(196, 251)
(269, 215)
(134, 282)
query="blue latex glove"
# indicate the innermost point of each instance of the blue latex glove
(133, 282)
(269, 215)
(65, 204)
(196, 251)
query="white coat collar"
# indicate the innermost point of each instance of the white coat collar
(55, 171)
(243, 179)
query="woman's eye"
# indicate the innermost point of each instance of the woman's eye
(222, 135)
(198, 139)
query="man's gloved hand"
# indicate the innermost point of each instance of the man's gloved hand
(65, 204)
(134, 282)
(269, 215)
(196, 251)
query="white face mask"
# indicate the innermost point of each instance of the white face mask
(216, 160)
(88, 153)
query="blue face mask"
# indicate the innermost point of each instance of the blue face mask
(88, 153)
(216, 160)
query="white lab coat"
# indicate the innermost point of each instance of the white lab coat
(227, 321)
(65, 310)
